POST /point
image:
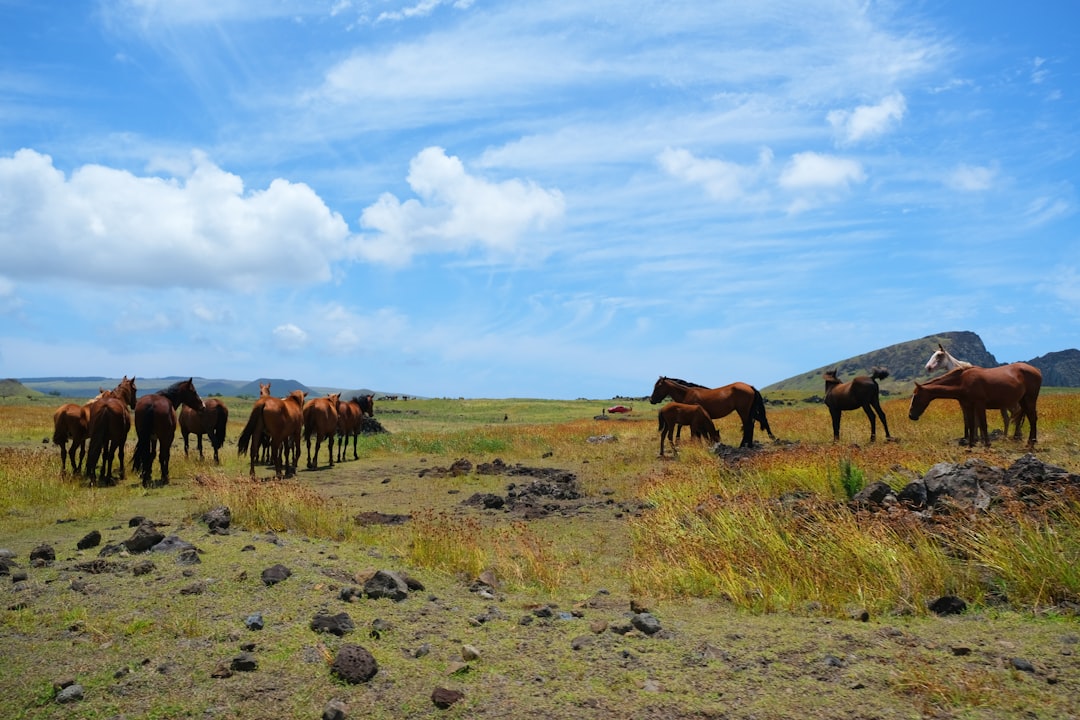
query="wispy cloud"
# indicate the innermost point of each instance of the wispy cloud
(866, 122)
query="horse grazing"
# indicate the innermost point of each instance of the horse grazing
(675, 415)
(351, 420)
(281, 421)
(981, 389)
(108, 424)
(943, 359)
(718, 402)
(155, 425)
(862, 392)
(321, 420)
(211, 421)
(72, 422)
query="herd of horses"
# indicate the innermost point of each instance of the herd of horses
(1013, 389)
(277, 426)
(272, 434)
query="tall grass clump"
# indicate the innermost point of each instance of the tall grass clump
(278, 505)
(463, 546)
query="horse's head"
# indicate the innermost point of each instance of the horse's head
(660, 390)
(126, 391)
(831, 378)
(937, 359)
(264, 390)
(190, 396)
(920, 399)
(366, 403)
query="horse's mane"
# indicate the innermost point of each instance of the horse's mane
(684, 383)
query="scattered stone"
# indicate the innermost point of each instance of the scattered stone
(638, 606)
(961, 651)
(91, 539)
(646, 623)
(1022, 665)
(339, 624)
(145, 537)
(354, 664)
(597, 439)
(6, 564)
(137, 521)
(422, 650)
(143, 567)
(218, 519)
(97, 566)
(948, 605)
(488, 578)
(335, 710)
(581, 641)
(351, 594)
(244, 662)
(172, 543)
(111, 549)
(598, 626)
(254, 621)
(386, 584)
(42, 556)
(275, 574)
(190, 556)
(70, 694)
(444, 697)
(378, 518)
(221, 671)
(197, 588)
(469, 653)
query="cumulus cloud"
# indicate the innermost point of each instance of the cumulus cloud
(724, 181)
(815, 179)
(971, 178)
(868, 121)
(455, 212)
(289, 337)
(201, 229)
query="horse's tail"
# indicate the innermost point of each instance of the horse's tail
(59, 434)
(757, 412)
(879, 373)
(141, 459)
(248, 433)
(221, 419)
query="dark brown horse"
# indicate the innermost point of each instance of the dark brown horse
(351, 420)
(862, 392)
(981, 389)
(71, 422)
(155, 425)
(211, 421)
(282, 421)
(108, 424)
(718, 402)
(676, 414)
(321, 420)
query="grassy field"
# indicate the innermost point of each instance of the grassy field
(765, 613)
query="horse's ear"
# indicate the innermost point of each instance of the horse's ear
(941, 347)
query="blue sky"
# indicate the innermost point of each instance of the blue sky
(547, 199)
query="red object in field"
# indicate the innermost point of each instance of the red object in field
(619, 409)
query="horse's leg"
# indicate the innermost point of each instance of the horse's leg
(881, 414)
(979, 410)
(184, 435)
(873, 421)
(330, 447)
(163, 461)
(835, 412)
(1029, 410)
(747, 429)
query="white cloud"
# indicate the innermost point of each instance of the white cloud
(1044, 209)
(105, 225)
(972, 178)
(421, 9)
(290, 338)
(810, 170)
(455, 212)
(724, 181)
(868, 121)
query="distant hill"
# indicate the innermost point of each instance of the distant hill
(13, 388)
(905, 362)
(1059, 369)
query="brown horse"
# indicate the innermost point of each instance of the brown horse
(718, 402)
(862, 392)
(676, 414)
(981, 389)
(108, 424)
(71, 422)
(350, 421)
(943, 359)
(155, 425)
(210, 422)
(321, 420)
(282, 421)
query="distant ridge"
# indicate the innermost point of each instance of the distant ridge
(905, 362)
(87, 387)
